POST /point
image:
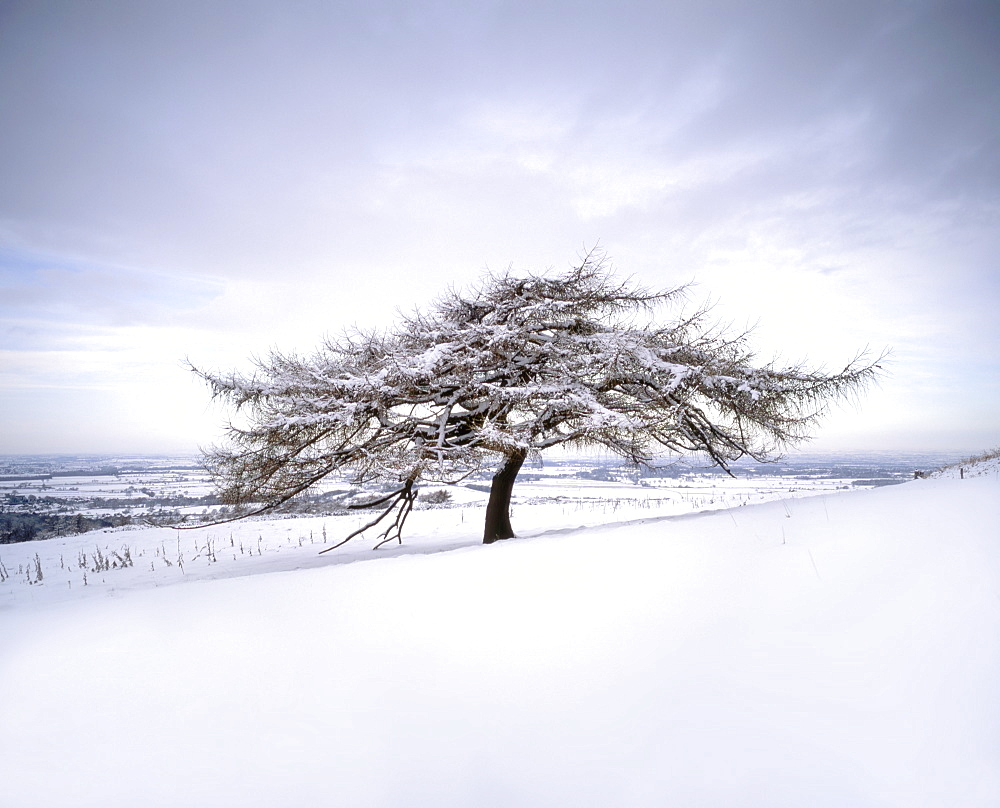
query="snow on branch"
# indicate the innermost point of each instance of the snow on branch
(516, 365)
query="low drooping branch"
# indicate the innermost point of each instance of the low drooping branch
(400, 502)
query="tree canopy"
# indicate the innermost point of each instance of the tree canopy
(483, 379)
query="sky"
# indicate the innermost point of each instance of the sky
(213, 181)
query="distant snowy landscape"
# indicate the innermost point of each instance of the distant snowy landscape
(771, 640)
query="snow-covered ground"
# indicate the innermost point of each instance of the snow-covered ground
(837, 650)
(984, 465)
(105, 562)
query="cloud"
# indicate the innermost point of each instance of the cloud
(216, 180)
(237, 143)
(44, 289)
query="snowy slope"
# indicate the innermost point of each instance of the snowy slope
(839, 650)
(114, 561)
(984, 465)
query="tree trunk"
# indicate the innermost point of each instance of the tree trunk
(498, 510)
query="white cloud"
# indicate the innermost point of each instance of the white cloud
(215, 184)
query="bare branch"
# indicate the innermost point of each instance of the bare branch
(402, 504)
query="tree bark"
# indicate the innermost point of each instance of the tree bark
(498, 510)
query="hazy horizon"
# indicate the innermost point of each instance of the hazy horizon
(552, 455)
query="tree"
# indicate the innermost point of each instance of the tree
(487, 378)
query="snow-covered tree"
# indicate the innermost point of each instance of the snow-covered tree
(486, 378)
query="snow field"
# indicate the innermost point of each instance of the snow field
(835, 650)
(136, 558)
(985, 465)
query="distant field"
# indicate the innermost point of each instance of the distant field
(61, 495)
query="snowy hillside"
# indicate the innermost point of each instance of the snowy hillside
(838, 650)
(985, 465)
